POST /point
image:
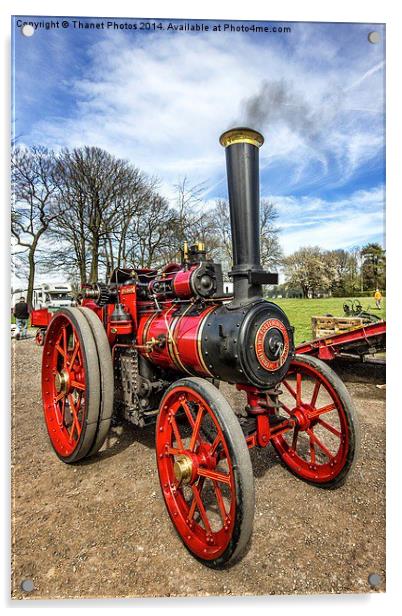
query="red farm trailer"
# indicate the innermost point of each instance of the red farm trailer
(358, 342)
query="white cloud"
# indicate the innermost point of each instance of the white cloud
(162, 101)
(341, 223)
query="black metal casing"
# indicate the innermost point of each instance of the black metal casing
(242, 163)
(228, 343)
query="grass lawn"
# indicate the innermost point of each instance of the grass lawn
(300, 311)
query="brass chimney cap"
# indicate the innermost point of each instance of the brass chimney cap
(241, 135)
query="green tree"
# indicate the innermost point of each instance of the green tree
(307, 268)
(373, 267)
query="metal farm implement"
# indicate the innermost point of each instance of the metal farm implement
(152, 346)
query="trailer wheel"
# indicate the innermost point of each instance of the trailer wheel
(205, 472)
(71, 383)
(40, 337)
(322, 446)
(106, 378)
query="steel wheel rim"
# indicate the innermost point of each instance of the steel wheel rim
(64, 389)
(307, 417)
(204, 543)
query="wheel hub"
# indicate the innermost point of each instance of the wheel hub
(301, 414)
(61, 381)
(183, 469)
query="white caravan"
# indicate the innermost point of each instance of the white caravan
(48, 295)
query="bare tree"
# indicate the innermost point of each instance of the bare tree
(188, 204)
(34, 191)
(99, 195)
(223, 230)
(271, 251)
(149, 237)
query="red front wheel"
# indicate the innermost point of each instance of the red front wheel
(322, 445)
(205, 472)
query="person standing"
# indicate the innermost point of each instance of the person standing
(21, 313)
(378, 298)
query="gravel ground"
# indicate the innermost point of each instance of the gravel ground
(100, 528)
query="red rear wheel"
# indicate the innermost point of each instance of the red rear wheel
(70, 385)
(205, 472)
(322, 445)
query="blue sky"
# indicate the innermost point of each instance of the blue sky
(161, 99)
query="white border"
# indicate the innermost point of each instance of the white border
(295, 10)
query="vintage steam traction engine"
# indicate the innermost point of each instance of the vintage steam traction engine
(151, 346)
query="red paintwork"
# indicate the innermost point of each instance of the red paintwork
(40, 318)
(178, 335)
(168, 333)
(182, 283)
(128, 297)
(366, 337)
(206, 540)
(64, 413)
(305, 415)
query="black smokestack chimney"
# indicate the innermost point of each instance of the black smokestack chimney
(242, 164)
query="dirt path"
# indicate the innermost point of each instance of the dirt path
(100, 528)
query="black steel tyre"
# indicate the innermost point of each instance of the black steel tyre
(106, 378)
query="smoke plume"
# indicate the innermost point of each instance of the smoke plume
(277, 102)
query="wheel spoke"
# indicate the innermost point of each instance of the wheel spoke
(286, 408)
(298, 388)
(64, 336)
(214, 475)
(173, 451)
(176, 432)
(315, 393)
(196, 428)
(329, 427)
(319, 444)
(324, 409)
(74, 353)
(74, 413)
(290, 389)
(312, 451)
(219, 499)
(295, 436)
(60, 413)
(63, 411)
(193, 505)
(215, 444)
(201, 508)
(61, 351)
(188, 413)
(78, 385)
